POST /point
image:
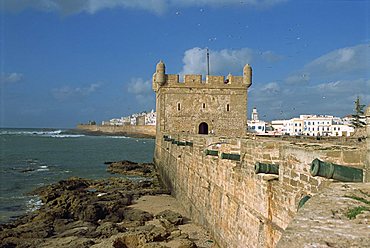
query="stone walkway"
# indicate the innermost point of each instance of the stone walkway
(332, 218)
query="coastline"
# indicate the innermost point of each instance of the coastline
(114, 212)
(141, 131)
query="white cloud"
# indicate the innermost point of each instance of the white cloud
(223, 61)
(11, 78)
(344, 63)
(270, 56)
(272, 88)
(138, 86)
(77, 6)
(67, 92)
(280, 101)
(141, 89)
(156, 6)
(344, 88)
(344, 60)
(301, 78)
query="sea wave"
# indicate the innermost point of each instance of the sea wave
(43, 133)
(117, 137)
(43, 168)
(30, 132)
(67, 136)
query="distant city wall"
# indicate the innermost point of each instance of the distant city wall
(240, 207)
(130, 130)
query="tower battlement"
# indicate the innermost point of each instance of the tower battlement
(161, 79)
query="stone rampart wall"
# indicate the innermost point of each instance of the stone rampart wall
(242, 208)
(144, 130)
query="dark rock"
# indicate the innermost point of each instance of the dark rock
(158, 234)
(171, 216)
(132, 168)
(93, 213)
(137, 215)
(108, 229)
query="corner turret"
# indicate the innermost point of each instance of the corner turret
(247, 75)
(160, 73)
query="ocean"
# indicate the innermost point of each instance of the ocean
(30, 158)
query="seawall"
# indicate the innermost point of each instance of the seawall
(142, 131)
(240, 207)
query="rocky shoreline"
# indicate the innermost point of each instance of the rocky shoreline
(80, 212)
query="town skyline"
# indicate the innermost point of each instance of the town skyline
(62, 64)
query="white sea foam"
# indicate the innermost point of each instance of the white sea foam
(31, 132)
(43, 168)
(117, 137)
(34, 204)
(67, 136)
(43, 133)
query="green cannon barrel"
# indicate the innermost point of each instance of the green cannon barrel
(303, 201)
(335, 171)
(189, 143)
(181, 143)
(174, 142)
(266, 168)
(230, 156)
(211, 152)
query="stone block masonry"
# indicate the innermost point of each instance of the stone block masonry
(201, 107)
(242, 208)
(245, 190)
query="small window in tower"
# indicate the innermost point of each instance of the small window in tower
(178, 106)
(204, 105)
(227, 107)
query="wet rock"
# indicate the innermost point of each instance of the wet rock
(132, 168)
(171, 217)
(108, 229)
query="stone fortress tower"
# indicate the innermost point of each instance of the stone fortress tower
(214, 106)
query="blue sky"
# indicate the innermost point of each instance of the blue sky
(65, 62)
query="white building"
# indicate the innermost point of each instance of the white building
(317, 125)
(341, 130)
(279, 126)
(313, 125)
(150, 118)
(255, 125)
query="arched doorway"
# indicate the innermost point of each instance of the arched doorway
(203, 128)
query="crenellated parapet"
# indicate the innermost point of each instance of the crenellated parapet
(161, 79)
